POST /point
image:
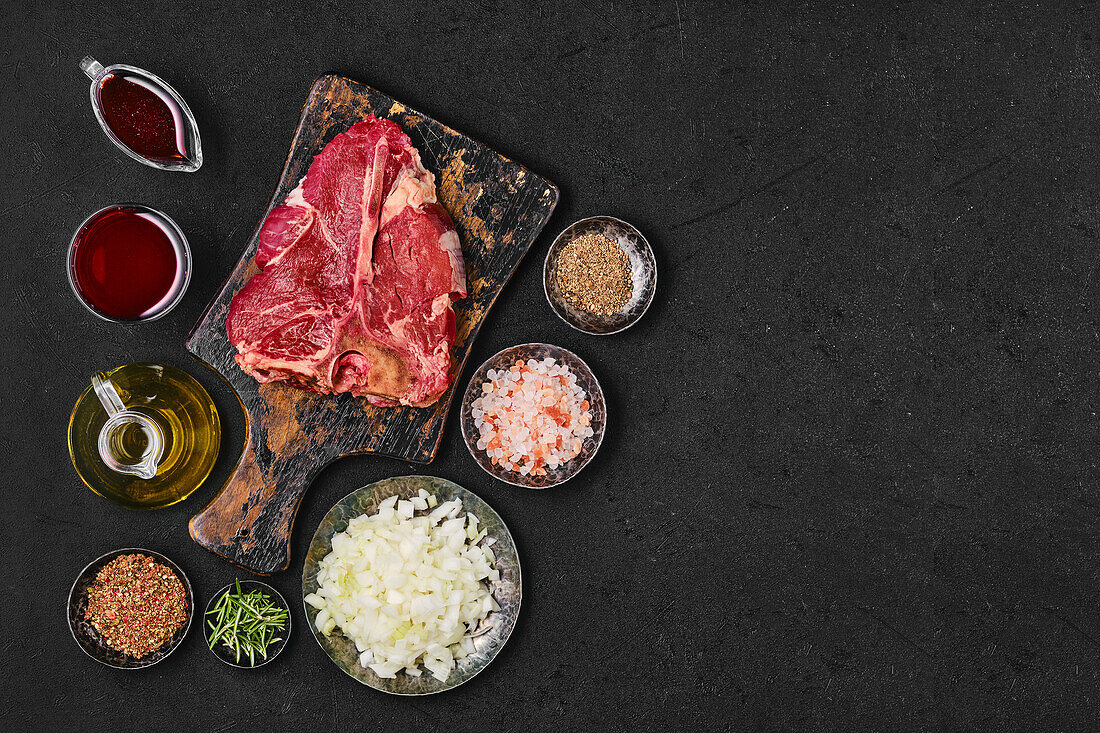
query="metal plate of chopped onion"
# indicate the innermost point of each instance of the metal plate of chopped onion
(487, 639)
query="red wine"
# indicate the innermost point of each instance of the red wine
(127, 264)
(143, 117)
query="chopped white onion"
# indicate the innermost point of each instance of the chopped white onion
(407, 589)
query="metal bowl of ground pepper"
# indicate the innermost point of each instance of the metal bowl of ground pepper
(600, 275)
(130, 608)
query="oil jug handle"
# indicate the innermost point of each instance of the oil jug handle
(107, 394)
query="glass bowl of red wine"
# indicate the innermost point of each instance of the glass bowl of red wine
(144, 116)
(129, 263)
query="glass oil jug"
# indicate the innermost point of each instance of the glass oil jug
(144, 435)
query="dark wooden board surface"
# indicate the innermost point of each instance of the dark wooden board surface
(498, 207)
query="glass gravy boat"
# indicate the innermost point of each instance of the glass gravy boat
(147, 106)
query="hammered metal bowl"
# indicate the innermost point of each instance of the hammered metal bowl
(587, 381)
(508, 591)
(643, 268)
(90, 640)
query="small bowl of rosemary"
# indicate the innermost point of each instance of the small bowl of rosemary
(247, 624)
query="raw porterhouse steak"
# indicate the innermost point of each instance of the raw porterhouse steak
(359, 267)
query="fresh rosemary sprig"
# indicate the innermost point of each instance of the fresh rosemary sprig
(246, 623)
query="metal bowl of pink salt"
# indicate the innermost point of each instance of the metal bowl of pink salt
(533, 415)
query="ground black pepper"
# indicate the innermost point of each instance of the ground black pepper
(594, 274)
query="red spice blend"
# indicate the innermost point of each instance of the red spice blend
(136, 604)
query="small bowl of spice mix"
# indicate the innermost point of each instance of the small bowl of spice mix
(600, 275)
(130, 608)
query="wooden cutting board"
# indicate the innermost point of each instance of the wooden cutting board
(498, 207)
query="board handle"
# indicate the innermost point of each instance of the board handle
(249, 521)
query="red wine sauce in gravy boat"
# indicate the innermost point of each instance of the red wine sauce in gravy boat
(143, 117)
(127, 264)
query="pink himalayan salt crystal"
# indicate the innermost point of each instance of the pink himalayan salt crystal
(532, 416)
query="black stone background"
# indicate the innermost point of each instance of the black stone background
(849, 480)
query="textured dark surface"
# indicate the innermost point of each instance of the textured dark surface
(852, 481)
(498, 208)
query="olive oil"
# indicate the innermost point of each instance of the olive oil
(186, 417)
